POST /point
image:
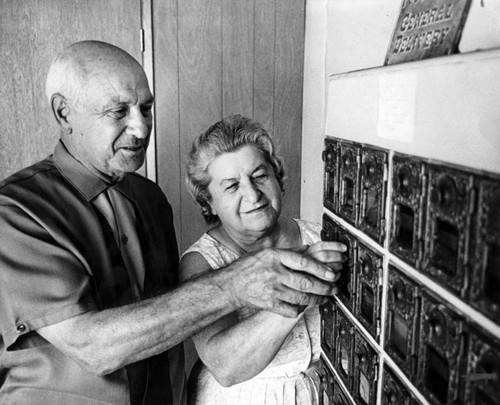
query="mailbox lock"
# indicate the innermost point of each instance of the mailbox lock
(403, 178)
(445, 193)
(438, 329)
(400, 295)
(347, 159)
(366, 267)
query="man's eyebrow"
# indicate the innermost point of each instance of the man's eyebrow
(115, 102)
(112, 104)
(149, 100)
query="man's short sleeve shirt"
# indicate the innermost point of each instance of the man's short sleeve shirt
(55, 264)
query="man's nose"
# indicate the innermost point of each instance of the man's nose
(138, 124)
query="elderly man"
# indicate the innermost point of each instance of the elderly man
(90, 312)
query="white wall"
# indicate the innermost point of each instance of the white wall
(452, 102)
(313, 113)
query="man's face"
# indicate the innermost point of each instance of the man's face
(111, 127)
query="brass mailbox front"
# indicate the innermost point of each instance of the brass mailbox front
(447, 234)
(368, 289)
(393, 390)
(333, 232)
(327, 384)
(483, 371)
(331, 181)
(373, 180)
(403, 311)
(443, 233)
(329, 232)
(485, 280)
(339, 396)
(442, 353)
(344, 349)
(365, 371)
(328, 328)
(348, 207)
(407, 208)
(348, 281)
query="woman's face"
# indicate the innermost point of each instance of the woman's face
(245, 192)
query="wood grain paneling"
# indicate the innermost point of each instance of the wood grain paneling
(200, 91)
(288, 79)
(265, 29)
(32, 32)
(218, 58)
(237, 57)
(166, 73)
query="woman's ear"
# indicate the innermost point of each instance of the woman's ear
(60, 109)
(210, 208)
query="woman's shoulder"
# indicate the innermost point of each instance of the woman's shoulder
(205, 242)
(214, 252)
(192, 264)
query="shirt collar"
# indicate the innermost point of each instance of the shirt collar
(86, 182)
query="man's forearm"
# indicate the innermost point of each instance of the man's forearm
(103, 341)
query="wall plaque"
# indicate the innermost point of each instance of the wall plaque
(427, 28)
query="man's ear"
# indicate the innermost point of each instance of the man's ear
(60, 109)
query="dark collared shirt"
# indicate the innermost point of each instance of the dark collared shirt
(55, 263)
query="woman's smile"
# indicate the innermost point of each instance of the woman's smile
(256, 209)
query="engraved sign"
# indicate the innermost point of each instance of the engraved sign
(427, 28)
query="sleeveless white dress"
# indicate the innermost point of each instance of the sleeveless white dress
(291, 377)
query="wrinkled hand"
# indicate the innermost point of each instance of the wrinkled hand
(330, 253)
(284, 281)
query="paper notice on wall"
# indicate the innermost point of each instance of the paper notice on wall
(396, 106)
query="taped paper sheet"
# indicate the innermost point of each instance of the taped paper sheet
(396, 106)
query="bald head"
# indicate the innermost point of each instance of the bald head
(75, 65)
(101, 100)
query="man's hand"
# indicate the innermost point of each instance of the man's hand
(283, 281)
(329, 253)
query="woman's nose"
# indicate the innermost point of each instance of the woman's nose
(251, 193)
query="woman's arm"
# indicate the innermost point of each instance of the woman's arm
(237, 351)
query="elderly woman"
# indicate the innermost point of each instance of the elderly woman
(250, 357)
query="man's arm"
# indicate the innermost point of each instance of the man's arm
(275, 280)
(233, 349)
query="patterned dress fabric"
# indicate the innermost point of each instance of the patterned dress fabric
(291, 377)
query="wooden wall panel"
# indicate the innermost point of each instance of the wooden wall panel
(166, 73)
(218, 58)
(200, 91)
(237, 57)
(288, 76)
(32, 32)
(265, 29)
